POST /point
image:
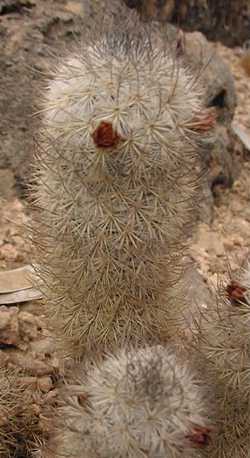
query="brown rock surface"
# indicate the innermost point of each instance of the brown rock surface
(228, 22)
(9, 326)
(29, 31)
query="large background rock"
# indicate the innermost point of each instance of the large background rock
(224, 20)
(31, 31)
(222, 156)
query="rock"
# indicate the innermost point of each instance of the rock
(206, 204)
(12, 223)
(24, 331)
(214, 73)
(43, 384)
(220, 93)
(199, 298)
(30, 326)
(7, 183)
(220, 160)
(4, 358)
(228, 22)
(221, 154)
(15, 6)
(242, 135)
(161, 11)
(9, 326)
(32, 33)
(209, 241)
(45, 346)
(9, 252)
(75, 7)
(198, 293)
(30, 364)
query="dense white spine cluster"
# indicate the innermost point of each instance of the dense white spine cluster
(145, 402)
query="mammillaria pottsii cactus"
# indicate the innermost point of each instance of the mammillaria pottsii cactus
(224, 348)
(118, 182)
(145, 402)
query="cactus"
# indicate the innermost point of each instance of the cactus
(117, 187)
(145, 402)
(19, 420)
(224, 348)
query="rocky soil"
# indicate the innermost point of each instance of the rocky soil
(30, 32)
(227, 240)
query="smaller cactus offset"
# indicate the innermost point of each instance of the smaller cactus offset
(224, 348)
(146, 402)
(117, 185)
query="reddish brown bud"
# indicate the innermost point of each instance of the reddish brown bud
(199, 436)
(203, 122)
(83, 399)
(235, 293)
(104, 136)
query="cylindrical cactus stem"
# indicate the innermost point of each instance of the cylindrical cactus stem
(145, 402)
(118, 183)
(224, 347)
